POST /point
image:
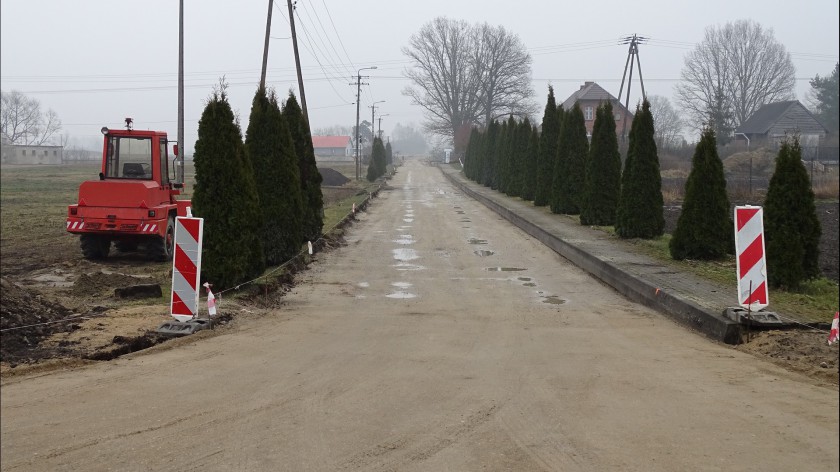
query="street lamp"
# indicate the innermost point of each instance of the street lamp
(379, 133)
(358, 90)
(748, 152)
(373, 108)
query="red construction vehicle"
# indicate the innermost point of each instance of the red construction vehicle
(133, 203)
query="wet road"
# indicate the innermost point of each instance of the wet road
(439, 338)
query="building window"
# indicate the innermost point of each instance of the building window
(587, 113)
(55, 153)
(617, 116)
(24, 152)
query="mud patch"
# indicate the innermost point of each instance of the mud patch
(554, 300)
(96, 284)
(477, 241)
(804, 351)
(26, 318)
(483, 253)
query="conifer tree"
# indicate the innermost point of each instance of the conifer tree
(547, 153)
(520, 163)
(603, 177)
(389, 154)
(704, 229)
(529, 185)
(471, 155)
(269, 148)
(641, 197)
(560, 160)
(488, 153)
(499, 156)
(226, 197)
(791, 227)
(622, 211)
(376, 166)
(573, 152)
(310, 178)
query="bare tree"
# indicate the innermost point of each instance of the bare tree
(504, 66)
(668, 123)
(741, 62)
(23, 122)
(465, 75)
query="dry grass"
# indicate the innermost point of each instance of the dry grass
(826, 186)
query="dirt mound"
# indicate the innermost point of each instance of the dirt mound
(804, 351)
(97, 284)
(763, 162)
(19, 310)
(332, 177)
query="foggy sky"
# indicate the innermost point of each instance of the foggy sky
(96, 62)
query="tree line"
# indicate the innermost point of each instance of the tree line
(260, 197)
(558, 166)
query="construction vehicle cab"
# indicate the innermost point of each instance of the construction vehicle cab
(133, 203)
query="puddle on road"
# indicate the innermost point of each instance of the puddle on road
(401, 295)
(404, 239)
(402, 285)
(504, 269)
(465, 220)
(460, 212)
(408, 220)
(364, 284)
(524, 279)
(477, 241)
(405, 254)
(483, 253)
(406, 266)
(529, 284)
(553, 300)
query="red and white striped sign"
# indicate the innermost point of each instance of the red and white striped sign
(751, 261)
(186, 267)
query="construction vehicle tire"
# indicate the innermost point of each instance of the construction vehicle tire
(94, 247)
(162, 248)
(125, 246)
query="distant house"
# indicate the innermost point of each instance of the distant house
(589, 96)
(32, 154)
(773, 121)
(335, 148)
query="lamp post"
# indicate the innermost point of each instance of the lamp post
(373, 108)
(358, 90)
(748, 152)
(379, 132)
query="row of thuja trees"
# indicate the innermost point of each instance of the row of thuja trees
(381, 156)
(558, 167)
(260, 198)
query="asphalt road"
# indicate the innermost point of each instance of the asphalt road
(439, 338)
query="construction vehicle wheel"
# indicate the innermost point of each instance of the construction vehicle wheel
(94, 247)
(162, 249)
(125, 246)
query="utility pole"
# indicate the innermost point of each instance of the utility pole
(358, 92)
(632, 52)
(265, 46)
(179, 166)
(297, 62)
(373, 108)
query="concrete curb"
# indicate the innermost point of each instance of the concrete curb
(673, 305)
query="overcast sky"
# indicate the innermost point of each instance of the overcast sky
(97, 61)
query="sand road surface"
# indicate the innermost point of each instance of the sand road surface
(438, 338)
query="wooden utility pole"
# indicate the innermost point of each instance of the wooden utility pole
(265, 46)
(297, 63)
